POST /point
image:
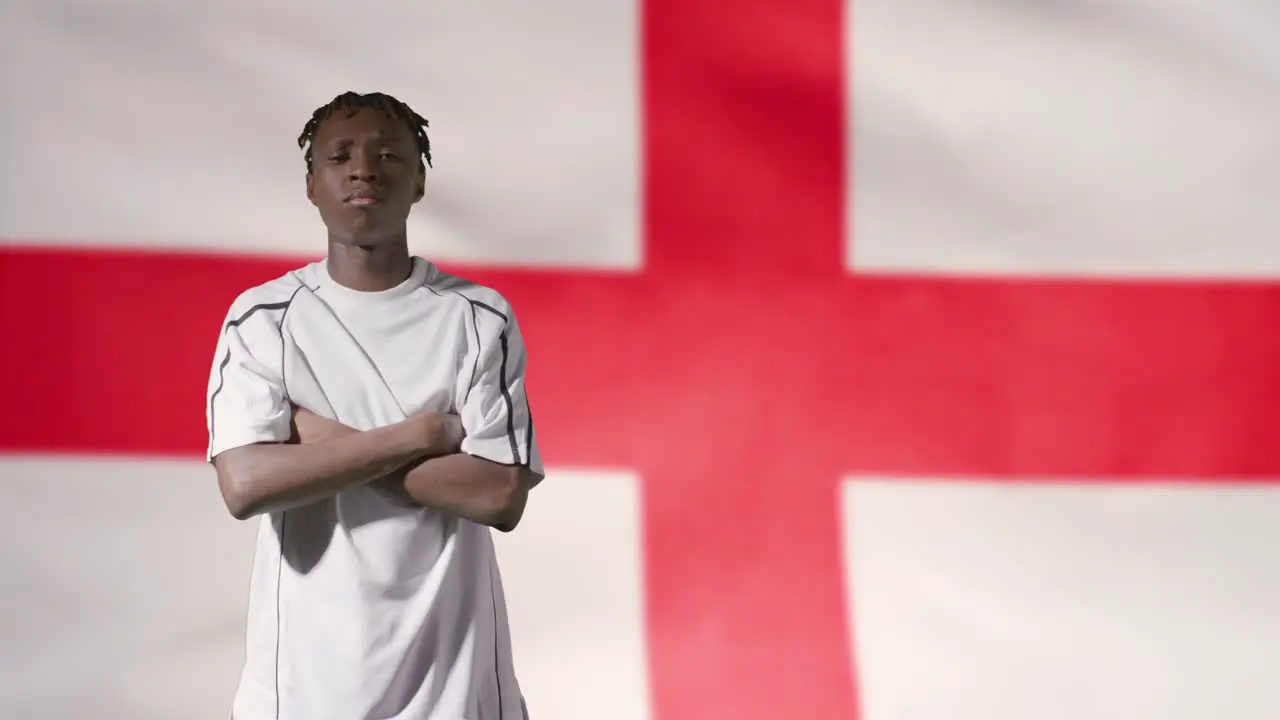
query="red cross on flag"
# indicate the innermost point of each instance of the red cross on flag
(894, 359)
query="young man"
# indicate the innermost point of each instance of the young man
(373, 408)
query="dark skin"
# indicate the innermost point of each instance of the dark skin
(367, 176)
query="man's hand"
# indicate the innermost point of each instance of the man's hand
(445, 434)
(450, 432)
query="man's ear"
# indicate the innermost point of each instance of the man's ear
(311, 188)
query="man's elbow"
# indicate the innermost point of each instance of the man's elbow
(236, 497)
(510, 499)
(235, 484)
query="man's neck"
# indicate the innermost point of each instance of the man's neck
(370, 268)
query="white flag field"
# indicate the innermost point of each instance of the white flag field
(892, 359)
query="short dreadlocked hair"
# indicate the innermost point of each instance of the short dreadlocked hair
(352, 103)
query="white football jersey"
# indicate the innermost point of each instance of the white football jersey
(362, 607)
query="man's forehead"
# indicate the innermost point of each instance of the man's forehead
(361, 122)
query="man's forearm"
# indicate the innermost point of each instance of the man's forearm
(467, 486)
(265, 478)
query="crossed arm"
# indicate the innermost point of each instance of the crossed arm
(418, 459)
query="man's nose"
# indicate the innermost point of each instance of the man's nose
(364, 168)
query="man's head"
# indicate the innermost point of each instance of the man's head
(365, 158)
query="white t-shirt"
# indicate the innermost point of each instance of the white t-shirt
(361, 607)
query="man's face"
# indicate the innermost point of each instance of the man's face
(365, 176)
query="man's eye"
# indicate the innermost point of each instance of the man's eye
(388, 155)
(337, 158)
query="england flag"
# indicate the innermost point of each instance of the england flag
(891, 359)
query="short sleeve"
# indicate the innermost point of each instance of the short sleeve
(247, 403)
(496, 412)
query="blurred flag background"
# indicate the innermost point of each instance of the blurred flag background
(894, 360)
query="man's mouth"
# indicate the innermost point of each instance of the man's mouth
(364, 198)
